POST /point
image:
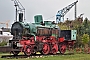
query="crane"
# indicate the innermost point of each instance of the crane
(7, 23)
(61, 13)
(19, 8)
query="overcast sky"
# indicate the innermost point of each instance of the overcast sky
(47, 8)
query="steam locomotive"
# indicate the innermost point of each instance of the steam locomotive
(44, 37)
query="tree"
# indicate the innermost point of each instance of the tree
(85, 23)
(63, 26)
(85, 41)
(85, 38)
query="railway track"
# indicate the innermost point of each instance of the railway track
(23, 56)
(31, 56)
(12, 56)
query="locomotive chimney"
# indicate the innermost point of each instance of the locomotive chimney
(20, 17)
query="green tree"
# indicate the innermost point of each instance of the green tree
(85, 41)
(63, 26)
(85, 23)
(85, 38)
(3, 43)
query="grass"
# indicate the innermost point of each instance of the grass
(80, 56)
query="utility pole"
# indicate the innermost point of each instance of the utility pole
(75, 11)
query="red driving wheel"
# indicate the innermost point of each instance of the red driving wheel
(54, 49)
(27, 51)
(46, 49)
(62, 48)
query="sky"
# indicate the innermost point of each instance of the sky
(46, 8)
